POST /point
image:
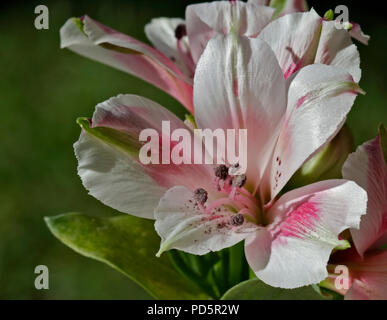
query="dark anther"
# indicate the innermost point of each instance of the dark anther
(200, 195)
(239, 181)
(221, 172)
(237, 220)
(180, 31)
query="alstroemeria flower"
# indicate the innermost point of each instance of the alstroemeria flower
(238, 85)
(304, 38)
(173, 74)
(298, 39)
(291, 6)
(368, 263)
(171, 64)
(208, 19)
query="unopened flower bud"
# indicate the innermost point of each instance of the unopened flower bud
(325, 164)
(190, 121)
(329, 15)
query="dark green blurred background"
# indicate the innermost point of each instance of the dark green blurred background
(44, 89)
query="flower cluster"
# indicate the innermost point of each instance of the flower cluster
(286, 75)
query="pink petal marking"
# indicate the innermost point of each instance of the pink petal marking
(294, 67)
(301, 101)
(299, 223)
(235, 87)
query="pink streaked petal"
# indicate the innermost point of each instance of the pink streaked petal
(161, 32)
(116, 179)
(319, 100)
(110, 167)
(294, 39)
(300, 39)
(205, 20)
(131, 114)
(367, 167)
(304, 228)
(182, 223)
(241, 87)
(358, 34)
(336, 48)
(370, 277)
(127, 54)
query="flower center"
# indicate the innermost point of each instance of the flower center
(236, 197)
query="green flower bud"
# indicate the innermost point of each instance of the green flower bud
(190, 121)
(329, 15)
(326, 163)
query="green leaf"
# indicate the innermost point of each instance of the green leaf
(128, 244)
(214, 272)
(255, 289)
(197, 268)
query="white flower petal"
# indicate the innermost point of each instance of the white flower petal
(304, 38)
(336, 49)
(115, 178)
(294, 39)
(358, 34)
(239, 85)
(108, 156)
(91, 39)
(161, 32)
(305, 228)
(367, 167)
(319, 100)
(205, 20)
(182, 224)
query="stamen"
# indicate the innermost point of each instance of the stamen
(180, 31)
(237, 219)
(239, 181)
(221, 172)
(200, 195)
(235, 170)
